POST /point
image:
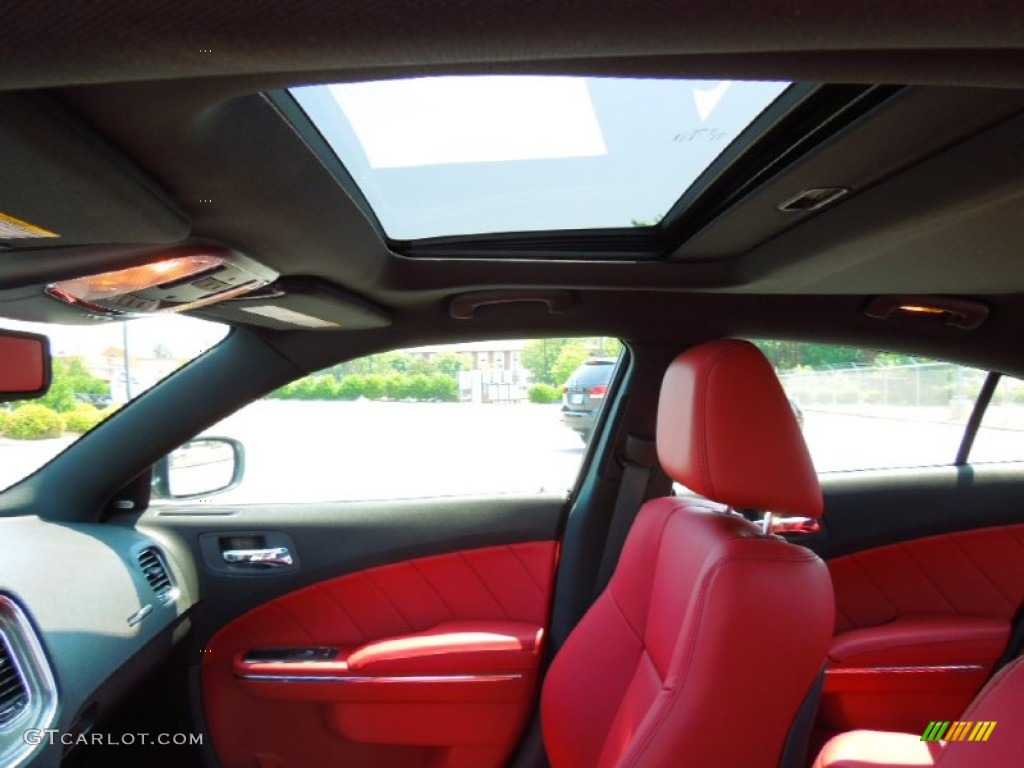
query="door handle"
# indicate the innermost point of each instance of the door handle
(274, 557)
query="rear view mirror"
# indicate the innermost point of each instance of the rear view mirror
(25, 365)
(201, 467)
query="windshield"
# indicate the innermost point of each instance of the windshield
(96, 370)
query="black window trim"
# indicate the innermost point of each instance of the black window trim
(977, 416)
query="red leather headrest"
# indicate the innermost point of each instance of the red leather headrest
(727, 431)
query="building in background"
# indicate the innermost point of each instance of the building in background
(493, 371)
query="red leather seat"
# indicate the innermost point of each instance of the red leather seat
(1001, 702)
(710, 633)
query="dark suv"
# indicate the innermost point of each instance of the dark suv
(584, 392)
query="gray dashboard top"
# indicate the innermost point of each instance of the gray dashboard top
(80, 585)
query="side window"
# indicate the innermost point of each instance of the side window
(864, 409)
(1001, 435)
(475, 418)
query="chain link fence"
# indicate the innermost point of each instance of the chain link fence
(928, 391)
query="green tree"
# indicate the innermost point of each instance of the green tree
(543, 393)
(895, 358)
(352, 387)
(604, 346)
(549, 363)
(374, 386)
(82, 382)
(419, 386)
(569, 359)
(83, 418)
(450, 363)
(443, 388)
(397, 386)
(34, 422)
(61, 395)
(539, 357)
(317, 387)
(71, 377)
(788, 355)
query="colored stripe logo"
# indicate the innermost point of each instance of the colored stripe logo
(960, 730)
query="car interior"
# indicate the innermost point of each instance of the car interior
(706, 183)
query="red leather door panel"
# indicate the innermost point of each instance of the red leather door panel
(919, 625)
(436, 666)
(971, 573)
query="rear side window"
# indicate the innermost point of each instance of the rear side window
(867, 409)
(481, 418)
(1001, 436)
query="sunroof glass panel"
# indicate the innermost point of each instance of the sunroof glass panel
(447, 156)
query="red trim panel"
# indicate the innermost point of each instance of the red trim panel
(919, 625)
(970, 573)
(437, 665)
(922, 640)
(999, 704)
(897, 698)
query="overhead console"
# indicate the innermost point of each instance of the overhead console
(87, 236)
(187, 278)
(80, 223)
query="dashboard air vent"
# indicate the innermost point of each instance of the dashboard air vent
(155, 570)
(28, 691)
(13, 689)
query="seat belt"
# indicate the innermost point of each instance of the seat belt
(640, 460)
(794, 751)
(1015, 644)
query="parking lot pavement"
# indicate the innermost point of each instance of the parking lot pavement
(840, 442)
(308, 451)
(845, 442)
(20, 458)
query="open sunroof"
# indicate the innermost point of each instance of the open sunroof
(475, 155)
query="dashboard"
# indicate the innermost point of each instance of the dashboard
(86, 611)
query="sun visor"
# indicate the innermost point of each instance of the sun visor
(62, 185)
(301, 303)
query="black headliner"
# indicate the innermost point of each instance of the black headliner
(937, 171)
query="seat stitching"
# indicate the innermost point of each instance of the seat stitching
(519, 560)
(484, 584)
(909, 553)
(695, 634)
(701, 425)
(280, 608)
(369, 577)
(678, 509)
(330, 596)
(625, 618)
(435, 590)
(1015, 532)
(878, 648)
(844, 617)
(981, 570)
(856, 561)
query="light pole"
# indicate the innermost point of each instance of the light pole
(127, 362)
